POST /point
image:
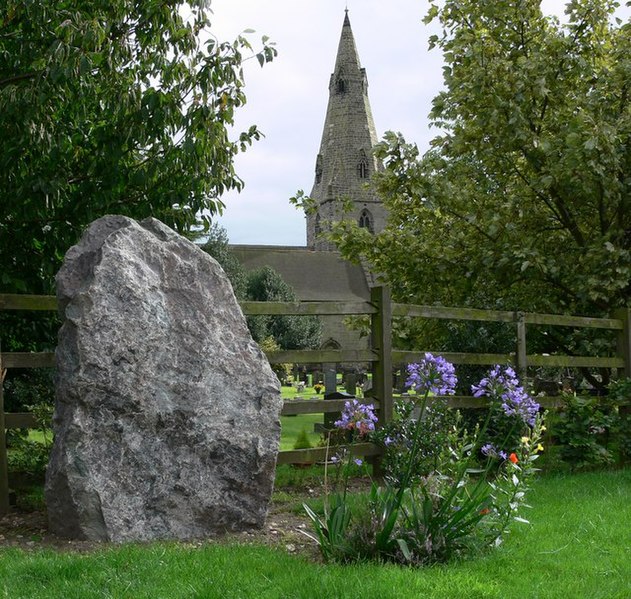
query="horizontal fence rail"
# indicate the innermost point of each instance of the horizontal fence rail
(28, 360)
(10, 301)
(308, 308)
(320, 454)
(318, 308)
(446, 313)
(323, 356)
(407, 357)
(532, 359)
(19, 420)
(293, 407)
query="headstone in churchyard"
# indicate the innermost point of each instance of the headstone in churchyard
(330, 378)
(330, 387)
(350, 383)
(167, 416)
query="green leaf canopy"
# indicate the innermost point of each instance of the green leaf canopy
(110, 107)
(524, 198)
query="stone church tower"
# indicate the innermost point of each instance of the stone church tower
(345, 162)
(344, 166)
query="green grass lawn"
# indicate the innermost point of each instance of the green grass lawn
(578, 546)
(293, 425)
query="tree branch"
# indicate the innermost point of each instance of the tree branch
(18, 78)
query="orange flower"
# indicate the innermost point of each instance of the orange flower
(485, 511)
(513, 458)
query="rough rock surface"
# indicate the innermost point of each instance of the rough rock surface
(167, 413)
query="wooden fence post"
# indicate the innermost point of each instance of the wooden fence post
(4, 474)
(381, 335)
(624, 352)
(521, 361)
(624, 339)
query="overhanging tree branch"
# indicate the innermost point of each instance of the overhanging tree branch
(18, 78)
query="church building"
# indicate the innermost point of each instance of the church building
(344, 166)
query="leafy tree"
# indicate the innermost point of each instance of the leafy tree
(264, 285)
(282, 371)
(110, 107)
(216, 244)
(290, 332)
(524, 198)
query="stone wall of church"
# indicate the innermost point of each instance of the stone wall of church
(335, 333)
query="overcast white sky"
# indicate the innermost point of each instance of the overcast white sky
(287, 98)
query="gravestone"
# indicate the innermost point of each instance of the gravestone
(330, 387)
(350, 383)
(330, 378)
(167, 415)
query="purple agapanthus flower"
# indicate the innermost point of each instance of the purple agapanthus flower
(490, 451)
(503, 386)
(433, 374)
(357, 416)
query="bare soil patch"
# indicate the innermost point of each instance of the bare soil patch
(284, 528)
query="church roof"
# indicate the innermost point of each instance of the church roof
(314, 275)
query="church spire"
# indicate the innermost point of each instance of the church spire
(345, 161)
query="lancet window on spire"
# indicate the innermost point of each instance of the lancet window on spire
(362, 170)
(318, 169)
(341, 85)
(366, 221)
(362, 166)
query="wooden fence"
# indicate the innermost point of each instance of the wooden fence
(380, 357)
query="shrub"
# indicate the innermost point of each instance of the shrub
(581, 431)
(28, 456)
(589, 430)
(302, 441)
(620, 398)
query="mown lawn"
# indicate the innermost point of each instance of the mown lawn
(293, 425)
(578, 546)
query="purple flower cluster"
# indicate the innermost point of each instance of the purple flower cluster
(490, 451)
(357, 416)
(432, 375)
(504, 386)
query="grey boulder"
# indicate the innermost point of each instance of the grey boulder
(167, 415)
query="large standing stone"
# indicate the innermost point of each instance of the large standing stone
(167, 413)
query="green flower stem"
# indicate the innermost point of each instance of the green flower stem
(405, 481)
(465, 467)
